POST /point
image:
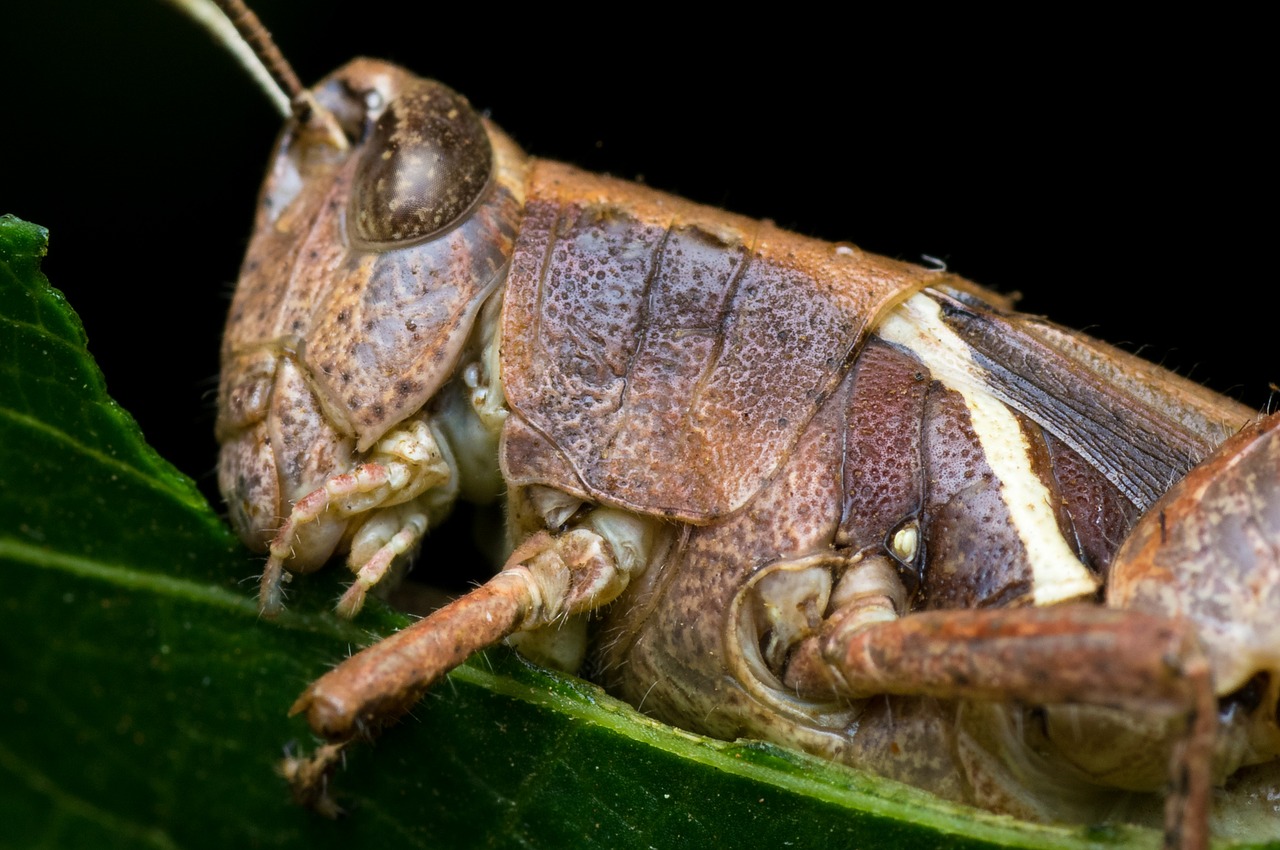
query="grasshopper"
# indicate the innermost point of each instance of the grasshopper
(1233, 414)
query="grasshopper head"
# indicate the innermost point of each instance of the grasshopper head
(379, 234)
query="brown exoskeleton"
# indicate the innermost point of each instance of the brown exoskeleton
(769, 486)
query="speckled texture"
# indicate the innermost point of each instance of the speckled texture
(672, 354)
(1099, 513)
(331, 341)
(1208, 552)
(976, 558)
(377, 331)
(883, 458)
(668, 642)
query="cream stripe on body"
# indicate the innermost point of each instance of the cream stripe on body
(1057, 573)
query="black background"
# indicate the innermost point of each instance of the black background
(1116, 173)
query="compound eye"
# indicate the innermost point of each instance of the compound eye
(425, 164)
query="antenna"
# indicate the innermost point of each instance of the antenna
(237, 28)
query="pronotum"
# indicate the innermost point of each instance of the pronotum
(932, 132)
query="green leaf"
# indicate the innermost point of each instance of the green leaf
(142, 702)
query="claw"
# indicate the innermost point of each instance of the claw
(409, 530)
(270, 590)
(308, 777)
(352, 601)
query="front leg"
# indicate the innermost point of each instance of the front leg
(547, 578)
(405, 483)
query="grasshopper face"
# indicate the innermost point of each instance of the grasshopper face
(379, 238)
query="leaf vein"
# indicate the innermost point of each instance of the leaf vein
(62, 436)
(71, 804)
(163, 585)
